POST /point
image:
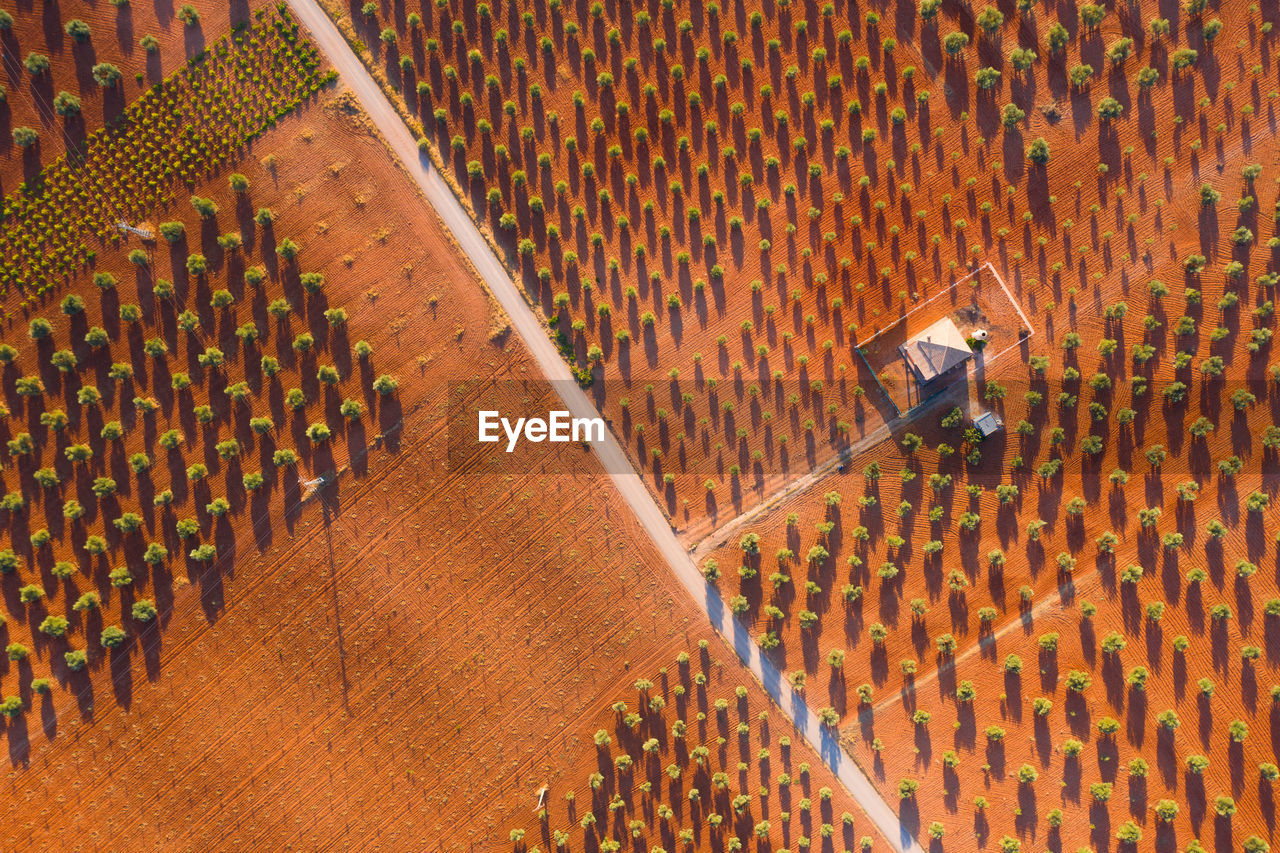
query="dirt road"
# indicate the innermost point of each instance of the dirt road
(527, 324)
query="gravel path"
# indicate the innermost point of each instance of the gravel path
(527, 324)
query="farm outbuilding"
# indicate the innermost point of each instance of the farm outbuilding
(988, 423)
(935, 351)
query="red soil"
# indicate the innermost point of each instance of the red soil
(1054, 264)
(1022, 594)
(1241, 692)
(941, 189)
(1064, 261)
(748, 750)
(399, 656)
(114, 38)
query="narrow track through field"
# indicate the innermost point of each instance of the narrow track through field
(611, 455)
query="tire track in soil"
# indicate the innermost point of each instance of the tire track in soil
(255, 584)
(1053, 602)
(327, 587)
(653, 657)
(632, 488)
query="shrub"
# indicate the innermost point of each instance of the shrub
(128, 522)
(955, 43)
(113, 637)
(987, 78)
(106, 75)
(1129, 833)
(1110, 108)
(204, 553)
(66, 105)
(1078, 681)
(288, 249)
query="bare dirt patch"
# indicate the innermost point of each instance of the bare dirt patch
(398, 652)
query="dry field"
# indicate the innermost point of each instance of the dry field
(181, 131)
(412, 664)
(692, 759)
(1114, 163)
(892, 626)
(712, 206)
(62, 99)
(713, 202)
(204, 642)
(1120, 532)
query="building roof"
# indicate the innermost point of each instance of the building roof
(936, 350)
(988, 424)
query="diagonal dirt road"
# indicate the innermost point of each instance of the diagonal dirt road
(632, 488)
